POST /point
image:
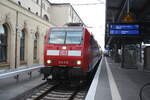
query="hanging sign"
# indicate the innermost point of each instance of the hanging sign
(124, 29)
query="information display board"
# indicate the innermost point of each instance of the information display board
(124, 29)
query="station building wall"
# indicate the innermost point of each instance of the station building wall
(25, 26)
(16, 20)
(38, 7)
(65, 14)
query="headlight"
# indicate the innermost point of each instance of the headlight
(49, 61)
(64, 47)
(79, 62)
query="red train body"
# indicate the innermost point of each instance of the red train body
(71, 48)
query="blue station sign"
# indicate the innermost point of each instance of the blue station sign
(124, 29)
(132, 32)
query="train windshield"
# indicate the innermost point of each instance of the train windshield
(66, 36)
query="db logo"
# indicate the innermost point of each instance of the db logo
(63, 52)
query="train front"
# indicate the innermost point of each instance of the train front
(63, 51)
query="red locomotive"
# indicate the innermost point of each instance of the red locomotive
(70, 51)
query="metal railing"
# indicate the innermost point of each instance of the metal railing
(15, 73)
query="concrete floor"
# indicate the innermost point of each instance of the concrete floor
(10, 87)
(103, 88)
(126, 85)
(129, 81)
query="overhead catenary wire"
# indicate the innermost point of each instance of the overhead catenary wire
(82, 4)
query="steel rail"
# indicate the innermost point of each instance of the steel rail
(46, 92)
(74, 94)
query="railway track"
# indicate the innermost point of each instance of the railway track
(62, 90)
(58, 91)
(54, 90)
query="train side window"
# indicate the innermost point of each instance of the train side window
(91, 40)
(81, 40)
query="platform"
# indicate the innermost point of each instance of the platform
(112, 82)
(10, 87)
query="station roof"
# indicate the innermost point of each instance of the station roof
(116, 10)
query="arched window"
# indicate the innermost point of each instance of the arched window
(37, 1)
(36, 13)
(35, 51)
(19, 2)
(3, 43)
(46, 18)
(22, 45)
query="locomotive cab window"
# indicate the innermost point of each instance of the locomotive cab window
(66, 36)
(57, 37)
(74, 38)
